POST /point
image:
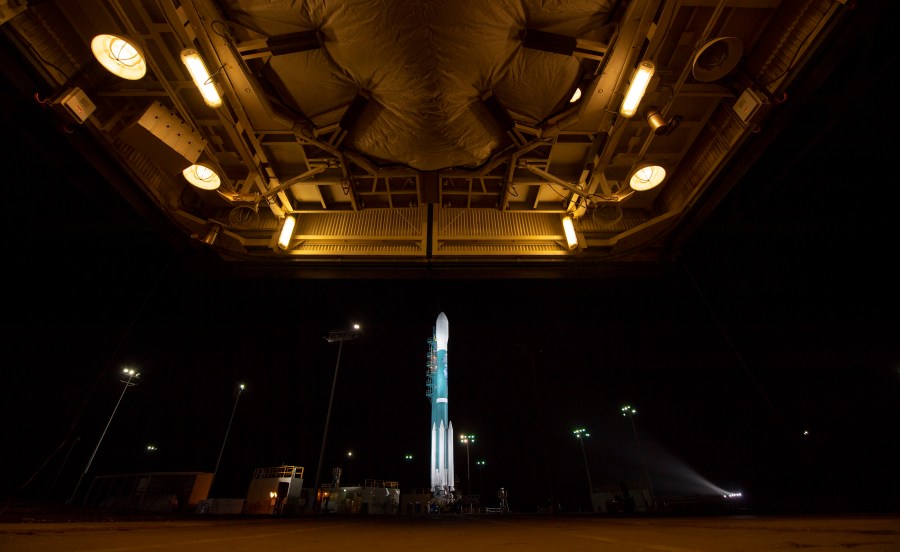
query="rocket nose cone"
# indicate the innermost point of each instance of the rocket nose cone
(442, 331)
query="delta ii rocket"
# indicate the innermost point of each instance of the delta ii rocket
(441, 428)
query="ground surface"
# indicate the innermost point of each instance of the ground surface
(70, 530)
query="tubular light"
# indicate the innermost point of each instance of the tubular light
(287, 231)
(119, 56)
(195, 66)
(647, 177)
(636, 89)
(569, 229)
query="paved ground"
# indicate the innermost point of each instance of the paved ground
(436, 533)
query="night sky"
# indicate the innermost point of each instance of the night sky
(778, 317)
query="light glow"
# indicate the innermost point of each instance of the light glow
(204, 82)
(636, 89)
(119, 56)
(647, 177)
(576, 96)
(202, 176)
(287, 231)
(569, 229)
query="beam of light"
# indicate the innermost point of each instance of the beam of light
(671, 475)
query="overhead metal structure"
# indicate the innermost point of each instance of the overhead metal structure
(436, 134)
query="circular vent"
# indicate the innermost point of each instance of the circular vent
(717, 58)
(607, 213)
(244, 216)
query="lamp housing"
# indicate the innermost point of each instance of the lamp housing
(119, 56)
(202, 79)
(639, 82)
(202, 176)
(646, 177)
(287, 231)
(569, 230)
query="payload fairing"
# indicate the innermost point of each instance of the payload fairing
(441, 428)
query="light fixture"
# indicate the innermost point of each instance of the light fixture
(636, 89)
(119, 56)
(658, 124)
(204, 82)
(569, 229)
(656, 121)
(576, 96)
(212, 232)
(646, 177)
(287, 231)
(202, 176)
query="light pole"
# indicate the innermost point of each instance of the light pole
(629, 411)
(241, 388)
(149, 453)
(480, 464)
(66, 459)
(340, 336)
(466, 439)
(581, 434)
(131, 375)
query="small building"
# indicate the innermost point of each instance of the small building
(277, 490)
(151, 491)
(415, 501)
(373, 497)
(626, 498)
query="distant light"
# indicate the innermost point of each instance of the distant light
(349, 453)
(732, 495)
(806, 432)
(356, 326)
(119, 56)
(242, 386)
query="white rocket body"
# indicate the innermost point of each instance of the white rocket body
(442, 476)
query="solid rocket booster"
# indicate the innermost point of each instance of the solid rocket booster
(442, 476)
